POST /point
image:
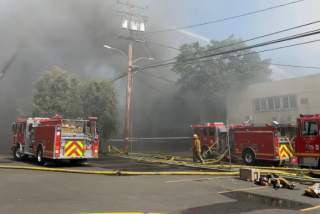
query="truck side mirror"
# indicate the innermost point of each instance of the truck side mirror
(13, 125)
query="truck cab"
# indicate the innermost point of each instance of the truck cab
(307, 141)
(208, 134)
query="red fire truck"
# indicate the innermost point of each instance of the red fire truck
(249, 142)
(55, 139)
(307, 141)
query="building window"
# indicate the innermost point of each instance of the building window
(275, 103)
(304, 101)
(271, 103)
(257, 105)
(285, 102)
(263, 104)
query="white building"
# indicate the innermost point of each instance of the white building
(281, 100)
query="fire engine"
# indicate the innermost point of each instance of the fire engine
(307, 140)
(249, 142)
(55, 139)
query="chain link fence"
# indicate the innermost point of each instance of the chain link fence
(179, 146)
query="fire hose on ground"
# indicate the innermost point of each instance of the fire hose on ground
(210, 164)
(136, 173)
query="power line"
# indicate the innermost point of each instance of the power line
(303, 43)
(247, 40)
(155, 55)
(151, 62)
(309, 33)
(158, 77)
(112, 79)
(210, 60)
(285, 65)
(152, 87)
(296, 66)
(220, 20)
(162, 77)
(164, 46)
(148, 5)
(152, 3)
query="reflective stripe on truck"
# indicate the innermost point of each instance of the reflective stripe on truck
(74, 149)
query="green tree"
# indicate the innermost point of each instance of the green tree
(99, 99)
(57, 92)
(209, 78)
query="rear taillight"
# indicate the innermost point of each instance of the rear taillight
(95, 149)
(276, 145)
(294, 160)
(276, 142)
(58, 144)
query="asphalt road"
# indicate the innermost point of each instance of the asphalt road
(103, 163)
(24, 191)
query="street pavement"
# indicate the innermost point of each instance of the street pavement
(26, 191)
(103, 163)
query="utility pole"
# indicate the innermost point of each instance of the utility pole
(132, 22)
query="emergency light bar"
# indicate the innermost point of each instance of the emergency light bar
(309, 115)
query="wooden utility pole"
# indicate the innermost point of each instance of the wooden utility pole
(132, 22)
(128, 102)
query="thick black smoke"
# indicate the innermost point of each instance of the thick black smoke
(71, 34)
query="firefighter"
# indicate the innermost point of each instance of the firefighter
(196, 149)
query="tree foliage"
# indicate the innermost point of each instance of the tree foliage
(212, 76)
(57, 92)
(100, 99)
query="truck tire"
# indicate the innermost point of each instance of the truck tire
(318, 163)
(249, 157)
(203, 150)
(40, 158)
(17, 153)
(25, 157)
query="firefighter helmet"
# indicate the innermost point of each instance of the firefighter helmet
(195, 136)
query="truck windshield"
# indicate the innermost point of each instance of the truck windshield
(75, 126)
(196, 131)
(310, 128)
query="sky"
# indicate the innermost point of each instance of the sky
(252, 26)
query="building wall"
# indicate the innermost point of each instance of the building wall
(240, 102)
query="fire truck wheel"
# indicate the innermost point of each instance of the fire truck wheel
(204, 153)
(25, 157)
(318, 163)
(248, 157)
(40, 158)
(17, 153)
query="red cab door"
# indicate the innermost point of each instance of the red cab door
(308, 139)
